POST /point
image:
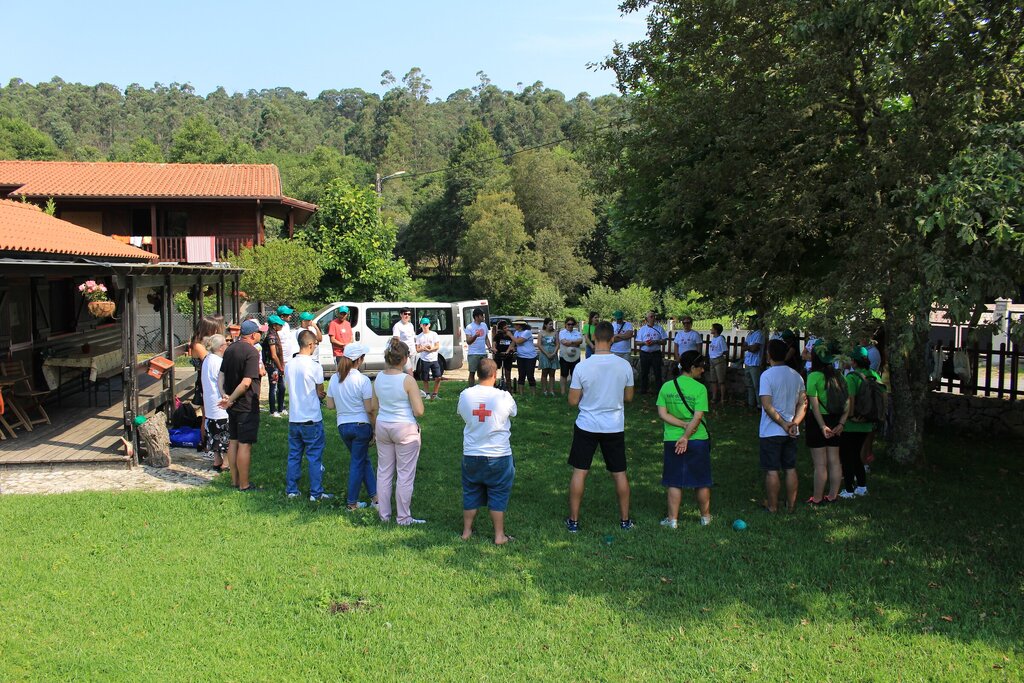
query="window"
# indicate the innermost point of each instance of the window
(65, 305)
(176, 224)
(382, 320)
(325, 322)
(440, 319)
(467, 315)
(15, 318)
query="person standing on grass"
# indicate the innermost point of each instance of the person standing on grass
(718, 356)
(504, 352)
(548, 357)
(588, 332)
(753, 360)
(239, 382)
(622, 337)
(350, 392)
(289, 344)
(273, 361)
(601, 386)
(404, 332)
(682, 404)
(487, 467)
(208, 326)
(305, 381)
(827, 401)
(651, 338)
(569, 343)
(306, 323)
(851, 441)
(215, 418)
(428, 344)
(478, 341)
(687, 339)
(397, 403)
(339, 332)
(526, 352)
(783, 407)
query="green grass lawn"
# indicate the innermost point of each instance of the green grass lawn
(922, 580)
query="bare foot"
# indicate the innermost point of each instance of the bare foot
(502, 540)
(466, 535)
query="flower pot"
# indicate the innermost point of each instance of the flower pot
(102, 309)
(158, 365)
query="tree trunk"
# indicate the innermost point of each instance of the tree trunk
(908, 379)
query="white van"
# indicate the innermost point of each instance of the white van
(372, 322)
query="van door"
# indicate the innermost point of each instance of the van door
(442, 321)
(378, 321)
(325, 351)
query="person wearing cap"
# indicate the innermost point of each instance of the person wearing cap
(404, 332)
(350, 392)
(289, 344)
(428, 344)
(622, 335)
(851, 441)
(305, 381)
(479, 342)
(651, 337)
(526, 352)
(273, 360)
(240, 387)
(339, 332)
(827, 399)
(306, 323)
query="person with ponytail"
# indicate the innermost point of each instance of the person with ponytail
(350, 392)
(397, 403)
(827, 399)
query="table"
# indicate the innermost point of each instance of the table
(94, 363)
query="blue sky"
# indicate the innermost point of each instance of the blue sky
(313, 46)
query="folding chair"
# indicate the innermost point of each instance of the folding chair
(34, 397)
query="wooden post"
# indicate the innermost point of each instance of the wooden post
(169, 344)
(129, 376)
(291, 222)
(152, 229)
(259, 223)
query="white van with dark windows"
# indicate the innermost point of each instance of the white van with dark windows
(373, 321)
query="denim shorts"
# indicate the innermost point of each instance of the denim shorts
(689, 470)
(487, 482)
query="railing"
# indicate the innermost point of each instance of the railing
(173, 248)
(995, 372)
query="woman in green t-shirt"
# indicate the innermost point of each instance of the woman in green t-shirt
(825, 423)
(588, 332)
(682, 404)
(855, 478)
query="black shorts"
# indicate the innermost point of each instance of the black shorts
(505, 361)
(566, 368)
(778, 453)
(243, 427)
(429, 369)
(816, 437)
(584, 445)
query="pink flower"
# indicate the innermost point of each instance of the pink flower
(81, 287)
(90, 283)
(103, 288)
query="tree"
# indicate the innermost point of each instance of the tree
(280, 270)
(778, 149)
(143, 149)
(634, 301)
(197, 141)
(355, 248)
(19, 140)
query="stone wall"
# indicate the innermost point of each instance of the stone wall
(979, 415)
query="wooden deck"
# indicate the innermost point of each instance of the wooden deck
(80, 433)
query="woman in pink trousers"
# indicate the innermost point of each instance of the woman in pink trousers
(398, 403)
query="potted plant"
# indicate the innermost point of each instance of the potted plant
(95, 294)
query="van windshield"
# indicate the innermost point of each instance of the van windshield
(467, 315)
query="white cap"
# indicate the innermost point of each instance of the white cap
(355, 350)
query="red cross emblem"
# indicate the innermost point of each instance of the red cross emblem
(482, 412)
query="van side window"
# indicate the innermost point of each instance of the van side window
(382, 320)
(440, 319)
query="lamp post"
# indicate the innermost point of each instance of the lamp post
(380, 184)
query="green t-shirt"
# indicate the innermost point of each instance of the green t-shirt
(816, 386)
(588, 332)
(697, 396)
(853, 381)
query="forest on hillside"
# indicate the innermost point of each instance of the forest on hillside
(495, 193)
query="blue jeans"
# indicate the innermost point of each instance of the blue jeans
(309, 438)
(356, 436)
(275, 393)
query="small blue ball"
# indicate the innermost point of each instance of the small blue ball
(739, 525)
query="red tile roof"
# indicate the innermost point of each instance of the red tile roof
(25, 228)
(140, 180)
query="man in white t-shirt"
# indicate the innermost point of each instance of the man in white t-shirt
(406, 333)
(651, 337)
(783, 407)
(753, 354)
(428, 344)
(601, 385)
(478, 340)
(622, 336)
(687, 339)
(289, 342)
(305, 383)
(487, 467)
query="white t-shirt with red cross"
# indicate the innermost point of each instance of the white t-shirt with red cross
(486, 412)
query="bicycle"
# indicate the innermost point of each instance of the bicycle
(150, 340)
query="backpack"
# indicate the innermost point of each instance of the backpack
(836, 395)
(184, 416)
(869, 401)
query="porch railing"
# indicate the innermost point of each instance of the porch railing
(173, 248)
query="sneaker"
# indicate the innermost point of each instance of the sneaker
(275, 415)
(704, 521)
(572, 525)
(434, 397)
(206, 456)
(322, 496)
(860, 491)
(375, 505)
(846, 495)
(359, 505)
(413, 520)
(283, 413)
(423, 394)
(292, 496)
(626, 524)
(670, 523)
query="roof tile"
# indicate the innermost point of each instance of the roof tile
(25, 228)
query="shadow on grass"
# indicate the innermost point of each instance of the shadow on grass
(931, 550)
